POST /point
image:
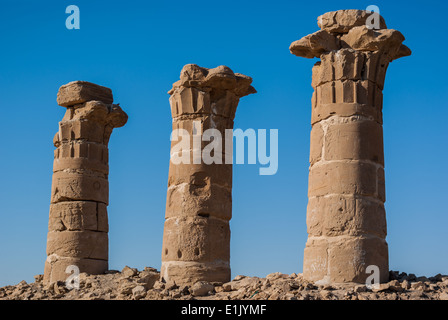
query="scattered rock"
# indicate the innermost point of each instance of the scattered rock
(129, 272)
(417, 285)
(422, 279)
(276, 275)
(405, 285)
(227, 287)
(159, 285)
(138, 292)
(361, 288)
(381, 287)
(184, 289)
(170, 285)
(145, 285)
(148, 278)
(395, 285)
(201, 288)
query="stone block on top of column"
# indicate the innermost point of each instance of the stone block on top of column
(347, 29)
(77, 92)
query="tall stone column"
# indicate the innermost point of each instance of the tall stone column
(346, 220)
(196, 240)
(78, 223)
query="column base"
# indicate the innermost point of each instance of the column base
(56, 266)
(344, 259)
(189, 272)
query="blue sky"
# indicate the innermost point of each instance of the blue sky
(137, 48)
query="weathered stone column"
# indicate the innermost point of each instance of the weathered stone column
(196, 240)
(78, 224)
(346, 219)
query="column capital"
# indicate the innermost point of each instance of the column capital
(221, 77)
(208, 91)
(347, 29)
(88, 101)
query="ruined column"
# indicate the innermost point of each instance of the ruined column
(346, 220)
(78, 223)
(196, 240)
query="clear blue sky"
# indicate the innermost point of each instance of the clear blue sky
(137, 48)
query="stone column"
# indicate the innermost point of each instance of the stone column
(346, 220)
(78, 224)
(196, 240)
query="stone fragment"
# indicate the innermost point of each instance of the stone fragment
(381, 287)
(129, 272)
(126, 286)
(422, 279)
(361, 288)
(227, 287)
(443, 296)
(170, 285)
(418, 285)
(148, 279)
(201, 288)
(405, 285)
(364, 39)
(138, 292)
(342, 21)
(395, 285)
(77, 92)
(314, 45)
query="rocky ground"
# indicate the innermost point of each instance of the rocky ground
(131, 284)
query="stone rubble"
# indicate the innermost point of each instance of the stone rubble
(146, 285)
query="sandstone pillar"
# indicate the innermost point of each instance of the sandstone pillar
(346, 220)
(78, 223)
(196, 240)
